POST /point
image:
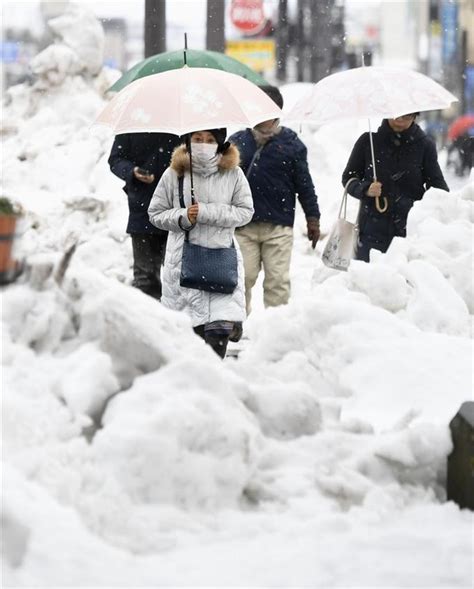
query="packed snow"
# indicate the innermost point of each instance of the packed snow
(133, 456)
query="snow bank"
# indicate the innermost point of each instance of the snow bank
(180, 437)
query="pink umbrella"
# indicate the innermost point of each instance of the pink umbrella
(185, 100)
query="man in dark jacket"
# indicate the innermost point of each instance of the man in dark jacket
(406, 166)
(140, 159)
(275, 162)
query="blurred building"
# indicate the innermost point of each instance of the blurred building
(115, 50)
(466, 26)
(445, 29)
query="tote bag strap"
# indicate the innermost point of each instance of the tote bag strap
(343, 208)
(181, 202)
(181, 192)
(256, 155)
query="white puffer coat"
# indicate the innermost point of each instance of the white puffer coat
(225, 202)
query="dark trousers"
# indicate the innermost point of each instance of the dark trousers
(148, 256)
(218, 342)
(364, 246)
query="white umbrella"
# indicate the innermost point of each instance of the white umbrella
(185, 100)
(372, 91)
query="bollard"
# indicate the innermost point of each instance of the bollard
(460, 477)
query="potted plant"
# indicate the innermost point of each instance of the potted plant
(9, 213)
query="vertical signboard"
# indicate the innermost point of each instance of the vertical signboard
(449, 28)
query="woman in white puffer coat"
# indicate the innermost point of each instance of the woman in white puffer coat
(223, 202)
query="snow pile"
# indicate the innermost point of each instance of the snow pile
(48, 147)
(180, 437)
(393, 336)
(334, 420)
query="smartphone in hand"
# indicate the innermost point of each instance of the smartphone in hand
(143, 172)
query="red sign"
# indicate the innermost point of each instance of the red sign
(247, 16)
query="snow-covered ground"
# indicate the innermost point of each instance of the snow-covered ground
(132, 456)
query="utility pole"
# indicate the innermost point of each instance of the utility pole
(155, 27)
(300, 41)
(282, 40)
(215, 33)
(321, 39)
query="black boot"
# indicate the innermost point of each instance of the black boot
(218, 343)
(151, 290)
(237, 332)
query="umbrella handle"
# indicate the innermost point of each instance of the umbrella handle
(379, 207)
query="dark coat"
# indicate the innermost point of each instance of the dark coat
(406, 165)
(150, 151)
(278, 175)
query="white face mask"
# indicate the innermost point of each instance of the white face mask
(203, 151)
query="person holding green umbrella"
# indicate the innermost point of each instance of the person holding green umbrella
(140, 160)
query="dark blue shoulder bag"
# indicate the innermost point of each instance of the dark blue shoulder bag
(205, 268)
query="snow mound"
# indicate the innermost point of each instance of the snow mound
(178, 436)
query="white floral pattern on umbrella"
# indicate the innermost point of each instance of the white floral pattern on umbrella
(189, 99)
(370, 92)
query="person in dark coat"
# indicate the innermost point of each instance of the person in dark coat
(406, 166)
(140, 159)
(275, 162)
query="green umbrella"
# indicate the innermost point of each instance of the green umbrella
(172, 60)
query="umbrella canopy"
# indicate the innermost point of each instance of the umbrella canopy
(185, 100)
(460, 126)
(370, 92)
(172, 60)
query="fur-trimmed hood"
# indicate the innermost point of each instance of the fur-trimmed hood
(180, 159)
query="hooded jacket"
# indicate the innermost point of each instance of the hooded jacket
(225, 202)
(406, 166)
(278, 174)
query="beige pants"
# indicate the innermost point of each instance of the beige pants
(268, 245)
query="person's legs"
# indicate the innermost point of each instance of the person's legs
(466, 153)
(158, 245)
(237, 332)
(144, 265)
(215, 337)
(276, 256)
(362, 250)
(218, 343)
(364, 246)
(248, 238)
(199, 330)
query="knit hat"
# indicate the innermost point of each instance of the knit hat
(274, 94)
(219, 136)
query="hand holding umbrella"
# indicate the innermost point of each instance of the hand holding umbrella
(193, 211)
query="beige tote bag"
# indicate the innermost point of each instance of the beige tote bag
(342, 241)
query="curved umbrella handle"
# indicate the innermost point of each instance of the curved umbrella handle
(379, 207)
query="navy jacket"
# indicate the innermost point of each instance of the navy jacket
(150, 151)
(406, 166)
(278, 175)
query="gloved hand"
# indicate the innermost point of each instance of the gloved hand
(312, 224)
